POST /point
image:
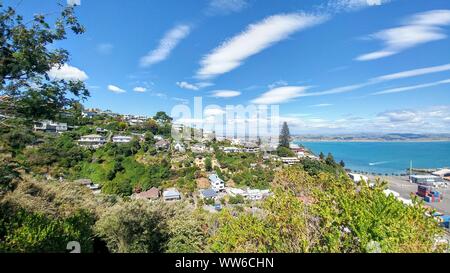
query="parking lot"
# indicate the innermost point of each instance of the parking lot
(402, 185)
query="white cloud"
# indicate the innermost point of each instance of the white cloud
(428, 120)
(186, 85)
(413, 73)
(67, 72)
(105, 48)
(257, 37)
(410, 88)
(322, 105)
(115, 89)
(226, 6)
(225, 93)
(277, 84)
(280, 95)
(194, 86)
(73, 2)
(166, 45)
(380, 79)
(337, 6)
(140, 89)
(419, 29)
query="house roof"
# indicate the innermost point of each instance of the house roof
(214, 178)
(162, 143)
(93, 136)
(171, 192)
(153, 193)
(209, 193)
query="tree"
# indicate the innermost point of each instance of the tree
(26, 57)
(342, 163)
(208, 164)
(321, 156)
(330, 160)
(162, 118)
(285, 136)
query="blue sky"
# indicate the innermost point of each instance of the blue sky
(333, 66)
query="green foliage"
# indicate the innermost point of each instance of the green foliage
(327, 213)
(29, 232)
(238, 199)
(285, 152)
(283, 229)
(208, 164)
(143, 227)
(25, 59)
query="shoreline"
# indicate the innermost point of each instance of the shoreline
(373, 141)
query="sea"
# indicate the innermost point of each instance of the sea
(385, 157)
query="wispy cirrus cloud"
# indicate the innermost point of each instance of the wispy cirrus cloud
(256, 38)
(381, 79)
(225, 93)
(67, 72)
(168, 43)
(418, 29)
(186, 85)
(411, 88)
(322, 105)
(280, 95)
(116, 89)
(224, 7)
(194, 86)
(105, 48)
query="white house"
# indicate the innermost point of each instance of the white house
(179, 147)
(229, 150)
(217, 184)
(290, 160)
(92, 141)
(250, 194)
(50, 126)
(122, 139)
(358, 177)
(171, 194)
(199, 148)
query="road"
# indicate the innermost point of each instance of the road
(402, 185)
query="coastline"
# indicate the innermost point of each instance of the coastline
(371, 140)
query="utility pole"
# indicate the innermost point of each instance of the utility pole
(410, 170)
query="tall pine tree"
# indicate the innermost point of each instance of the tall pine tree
(285, 136)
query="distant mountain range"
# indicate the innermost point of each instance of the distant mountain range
(374, 137)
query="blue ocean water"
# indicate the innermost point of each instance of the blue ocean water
(385, 157)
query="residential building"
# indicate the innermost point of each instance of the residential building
(152, 194)
(89, 114)
(92, 141)
(250, 194)
(50, 126)
(199, 148)
(96, 188)
(290, 160)
(358, 177)
(179, 147)
(171, 194)
(122, 139)
(162, 144)
(217, 184)
(230, 150)
(208, 194)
